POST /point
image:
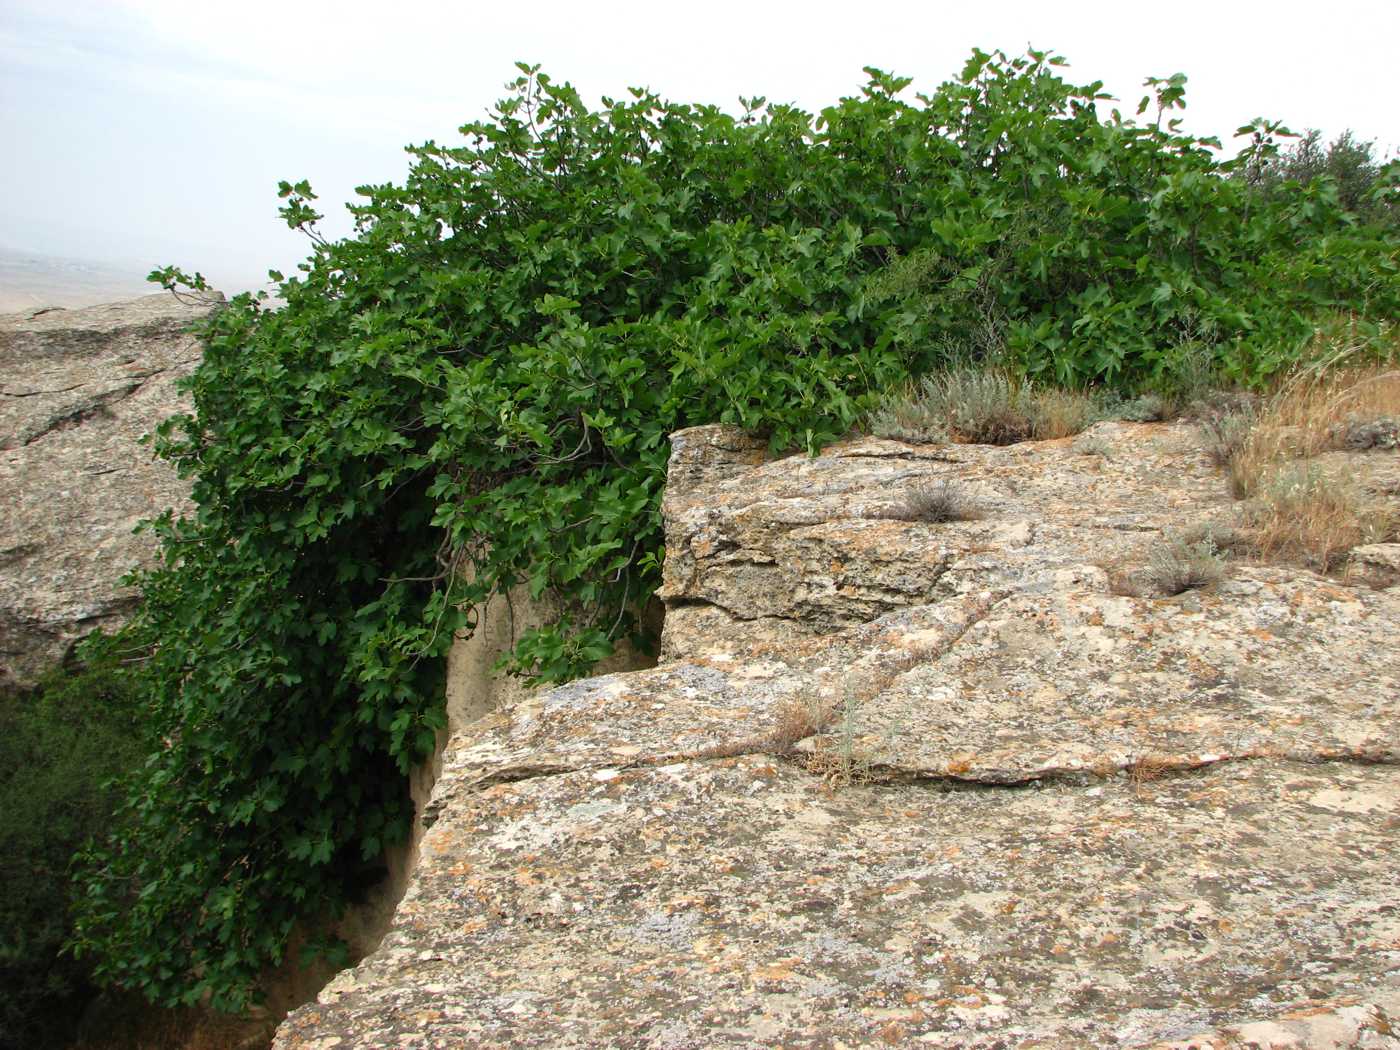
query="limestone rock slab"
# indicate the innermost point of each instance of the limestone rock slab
(740, 902)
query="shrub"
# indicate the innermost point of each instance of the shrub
(980, 406)
(1225, 539)
(905, 416)
(59, 745)
(1347, 165)
(1092, 445)
(1146, 408)
(1060, 413)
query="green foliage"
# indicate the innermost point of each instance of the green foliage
(1364, 184)
(59, 745)
(1081, 250)
(484, 377)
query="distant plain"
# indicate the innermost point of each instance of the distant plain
(31, 279)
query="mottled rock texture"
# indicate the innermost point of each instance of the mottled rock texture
(78, 388)
(918, 783)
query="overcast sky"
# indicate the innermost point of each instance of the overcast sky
(147, 132)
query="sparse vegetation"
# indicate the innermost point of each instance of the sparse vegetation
(904, 415)
(834, 756)
(1090, 445)
(1347, 397)
(1227, 436)
(1060, 413)
(795, 719)
(1300, 513)
(1145, 408)
(1148, 767)
(1225, 538)
(980, 406)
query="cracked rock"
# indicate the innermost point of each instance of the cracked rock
(78, 388)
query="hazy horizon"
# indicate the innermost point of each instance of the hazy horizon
(145, 133)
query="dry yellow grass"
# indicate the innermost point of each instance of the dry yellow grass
(1303, 515)
(1060, 413)
(795, 719)
(1316, 412)
(1149, 767)
(1298, 511)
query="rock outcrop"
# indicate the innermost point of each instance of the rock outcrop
(78, 388)
(906, 782)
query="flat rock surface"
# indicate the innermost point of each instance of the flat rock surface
(928, 784)
(78, 389)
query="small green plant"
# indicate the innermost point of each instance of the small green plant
(1092, 445)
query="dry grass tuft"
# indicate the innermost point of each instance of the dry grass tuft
(795, 720)
(1228, 435)
(1319, 409)
(1301, 514)
(837, 766)
(981, 406)
(935, 501)
(1147, 768)
(1178, 564)
(1060, 413)
(1297, 512)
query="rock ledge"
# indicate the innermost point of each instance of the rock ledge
(1033, 812)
